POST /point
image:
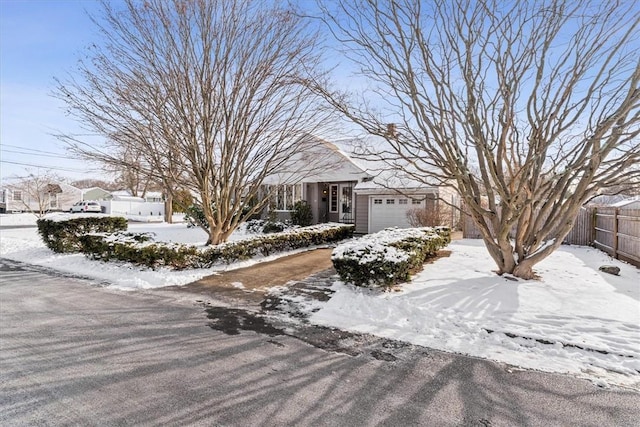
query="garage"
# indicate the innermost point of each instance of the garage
(390, 211)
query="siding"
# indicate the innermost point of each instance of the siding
(362, 214)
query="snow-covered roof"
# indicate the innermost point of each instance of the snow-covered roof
(320, 161)
(626, 203)
(384, 175)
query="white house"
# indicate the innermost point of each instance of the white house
(342, 188)
(24, 196)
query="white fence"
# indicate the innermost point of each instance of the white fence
(133, 208)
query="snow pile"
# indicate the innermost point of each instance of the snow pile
(575, 319)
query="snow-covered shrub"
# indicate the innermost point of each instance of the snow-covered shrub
(260, 226)
(61, 232)
(140, 248)
(389, 256)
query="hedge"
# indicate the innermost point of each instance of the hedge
(141, 250)
(389, 256)
(61, 233)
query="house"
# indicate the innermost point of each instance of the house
(28, 196)
(95, 193)
(341, 187)
(633, 203)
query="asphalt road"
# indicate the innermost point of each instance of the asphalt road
(76, 353)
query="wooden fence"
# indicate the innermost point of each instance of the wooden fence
(612, 230)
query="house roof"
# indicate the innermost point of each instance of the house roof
(396, 174)
(320, 161)
(627, 202)
(53, 189)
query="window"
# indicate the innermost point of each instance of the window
(416, 202)
(333, 198)
(17, 195)
(402, 201)
(377, 201)
(391, 201)
(53, 201)
(284, 196)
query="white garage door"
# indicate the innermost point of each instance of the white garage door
(390, 211)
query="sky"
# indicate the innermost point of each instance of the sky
(39, 40)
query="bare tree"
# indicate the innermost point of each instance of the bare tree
(39, 191)
(208, 93)
(529, 108)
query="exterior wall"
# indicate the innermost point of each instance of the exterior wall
(362, 213)
(96, 194)
(310, 194)
(133, 208)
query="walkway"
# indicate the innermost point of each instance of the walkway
(251, 284)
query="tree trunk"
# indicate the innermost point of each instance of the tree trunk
(168, 209)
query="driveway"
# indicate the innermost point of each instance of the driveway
(75, 353)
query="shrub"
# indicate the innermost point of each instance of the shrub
(302, 214)
(389, 256)
(430, 216)
(61, 233)
(194, 215)
(260, 226)
(141, 250)
(274, 227)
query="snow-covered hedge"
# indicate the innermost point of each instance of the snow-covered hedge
(61, 232)
(389, 256)
(142, 250)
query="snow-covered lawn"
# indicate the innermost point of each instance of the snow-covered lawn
(575, 319)
(24, 244)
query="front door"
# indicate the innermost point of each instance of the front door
(346, 203)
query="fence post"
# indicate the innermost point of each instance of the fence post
(594, 224)
(615, 233)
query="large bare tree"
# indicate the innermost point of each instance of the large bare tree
(528, 108)
(209, 93)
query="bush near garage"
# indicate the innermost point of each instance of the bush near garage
(141, 250)
(389, 256)
(61, 233)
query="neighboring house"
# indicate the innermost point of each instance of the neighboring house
(123, 203)
(627, 204)
(342, 188)
(121, 195)
(95, 193)
(20, 197)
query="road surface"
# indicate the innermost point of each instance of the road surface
(76, 353)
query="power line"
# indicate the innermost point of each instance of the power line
(50, 167)
(35, 154)
(28, 149)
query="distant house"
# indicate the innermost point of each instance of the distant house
(95, 193)
(121, 202)
(342, 188)
(627, 204)
(55, 196)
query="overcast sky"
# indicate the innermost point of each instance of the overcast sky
(39, 39)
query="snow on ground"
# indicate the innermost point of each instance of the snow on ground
(24, 244)
(18, 219)
(575, 319)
